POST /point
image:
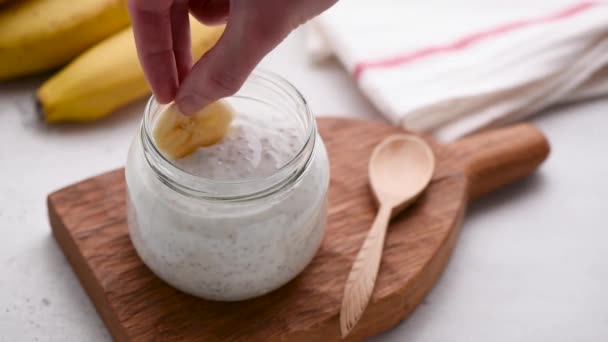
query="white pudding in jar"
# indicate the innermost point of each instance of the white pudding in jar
(240, 218)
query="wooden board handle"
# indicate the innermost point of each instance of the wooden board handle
(498, 157)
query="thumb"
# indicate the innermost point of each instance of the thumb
(222, 70)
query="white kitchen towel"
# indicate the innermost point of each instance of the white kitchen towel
(454, 67)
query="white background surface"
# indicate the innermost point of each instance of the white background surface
(531, 263)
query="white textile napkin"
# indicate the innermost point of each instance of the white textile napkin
(453, 67)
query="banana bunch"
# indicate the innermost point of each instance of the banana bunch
(95, 39)
(39, 35)
(106, 77)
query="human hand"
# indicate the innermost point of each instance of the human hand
(253, 29)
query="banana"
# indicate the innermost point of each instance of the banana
(177, 135)
(107, 77)
(38, 35)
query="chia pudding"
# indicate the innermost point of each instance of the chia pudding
(240, 218)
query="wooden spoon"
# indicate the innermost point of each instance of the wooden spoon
(400, 168)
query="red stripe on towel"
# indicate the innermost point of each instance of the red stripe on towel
(467, 41)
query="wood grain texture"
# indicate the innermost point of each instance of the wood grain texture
(89, 222)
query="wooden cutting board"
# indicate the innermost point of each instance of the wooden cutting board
(88, 221)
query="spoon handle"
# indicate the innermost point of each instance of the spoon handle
(362, 277)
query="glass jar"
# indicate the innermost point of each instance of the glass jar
(226, 233)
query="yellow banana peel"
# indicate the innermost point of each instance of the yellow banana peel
(38, 35)
(107, 77)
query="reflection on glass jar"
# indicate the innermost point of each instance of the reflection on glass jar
(240, 218)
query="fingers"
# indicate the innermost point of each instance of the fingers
(223, 70)
(154, 36)
(254, 28)
(180, 29)
(210, 12)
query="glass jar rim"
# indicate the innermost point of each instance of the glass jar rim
(234, 190)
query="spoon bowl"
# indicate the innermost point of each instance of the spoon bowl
(400, 168)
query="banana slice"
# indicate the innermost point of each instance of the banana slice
(177, 135)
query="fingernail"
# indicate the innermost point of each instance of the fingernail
(188, 104)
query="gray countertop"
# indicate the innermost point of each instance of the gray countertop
(531, 263)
